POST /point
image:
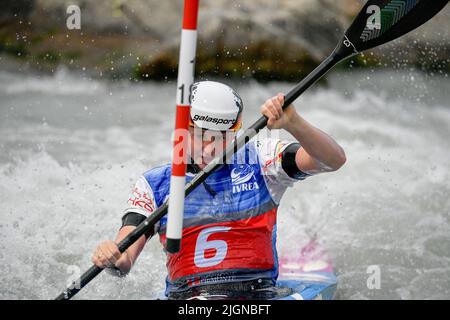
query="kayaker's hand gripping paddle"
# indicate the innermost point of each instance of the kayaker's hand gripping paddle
(379, 22)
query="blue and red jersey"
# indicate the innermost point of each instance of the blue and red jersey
(229, 234)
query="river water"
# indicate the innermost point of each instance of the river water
(71, 148)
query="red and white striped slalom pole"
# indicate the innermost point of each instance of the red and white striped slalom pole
(186, 69)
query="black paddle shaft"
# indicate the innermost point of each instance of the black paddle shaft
(396, 17)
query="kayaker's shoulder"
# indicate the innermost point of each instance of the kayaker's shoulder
(158, 175)
(267, 147)
(157, 171)
(258, 150)
(272, 146)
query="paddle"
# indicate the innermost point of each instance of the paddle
(379, 22)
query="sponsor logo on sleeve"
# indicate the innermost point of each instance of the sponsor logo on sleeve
(141, 199)
(271, 162)
(277, 159)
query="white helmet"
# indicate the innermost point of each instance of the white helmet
(215, 106)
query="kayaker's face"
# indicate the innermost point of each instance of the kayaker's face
(205, 145)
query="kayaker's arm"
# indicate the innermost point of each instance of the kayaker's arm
(141, 203)
(319, 152)
(107, 254)
(133, 252)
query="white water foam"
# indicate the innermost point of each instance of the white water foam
(65, 173)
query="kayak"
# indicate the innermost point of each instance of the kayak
(307, 275)
(310, 274)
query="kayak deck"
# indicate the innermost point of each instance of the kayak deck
(310, 274)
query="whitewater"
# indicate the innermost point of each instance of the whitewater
(71, 148)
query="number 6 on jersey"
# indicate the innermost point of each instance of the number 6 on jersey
(203, 244)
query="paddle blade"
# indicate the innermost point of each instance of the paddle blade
(381, 21)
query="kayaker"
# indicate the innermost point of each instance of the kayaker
(228, 248)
